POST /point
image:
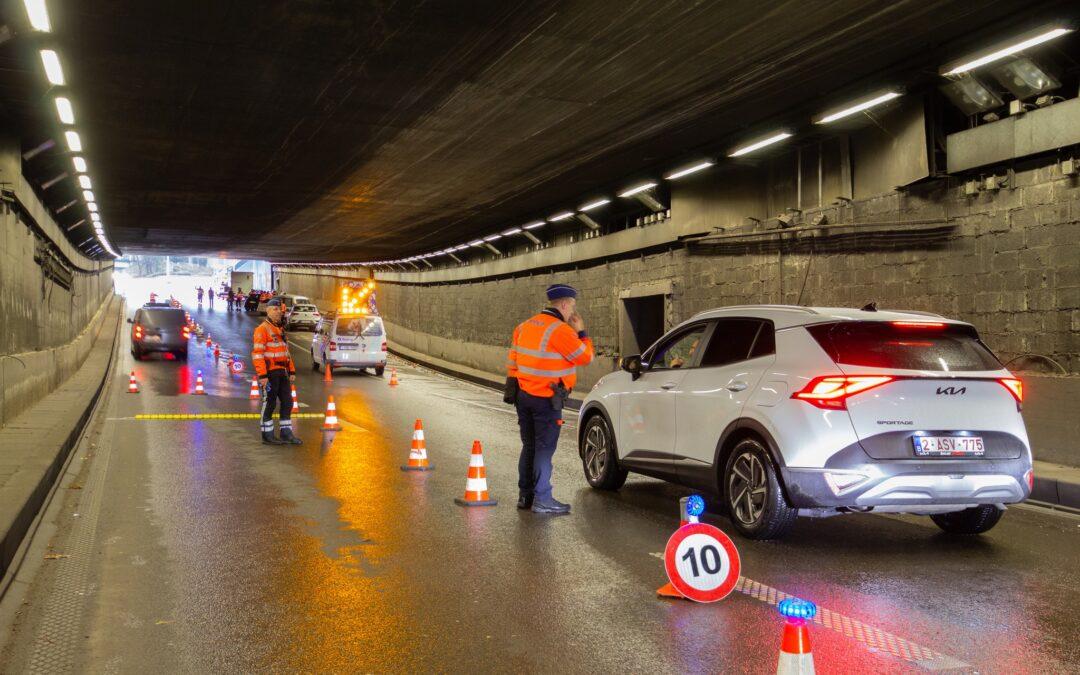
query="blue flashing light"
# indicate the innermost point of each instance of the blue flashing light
(198, 372)
(695, 505)
(797, 608)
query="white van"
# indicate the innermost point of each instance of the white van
(349, 341)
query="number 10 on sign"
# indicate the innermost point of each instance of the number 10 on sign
(702, 562)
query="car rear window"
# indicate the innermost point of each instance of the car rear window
(357, 326)
(305, 308)
(162, 318)
(914, 346)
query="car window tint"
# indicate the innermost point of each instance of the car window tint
(905, 345)
(731, 342)
(765, 344)
(163, 318)
(305, 308)
(357, 326)
(678, 351)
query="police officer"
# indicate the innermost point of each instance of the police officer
(541, 372)
(276, 371)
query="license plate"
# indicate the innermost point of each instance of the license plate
(342, 346)
(949, 446)
(152, 338)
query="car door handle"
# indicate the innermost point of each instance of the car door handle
(737, 386)
(668, 385)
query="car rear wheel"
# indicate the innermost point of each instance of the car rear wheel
(137, 353)
(755, 501)
(379, 370)
(181, 356)
(314, 363)
(976, 520)
(599, 456)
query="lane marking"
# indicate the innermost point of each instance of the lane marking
(870, 636)
(215, 416)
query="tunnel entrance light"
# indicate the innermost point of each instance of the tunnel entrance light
(757, 145)
(854, 108)
(38, 15)
(53, 71)
(594, 205)
(73, 141)
(688, 170)
(64, 110)
(561, 216)
(1000, 51)
(636, 189)
(80, 164)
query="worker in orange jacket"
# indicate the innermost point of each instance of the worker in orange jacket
(276, 371)
(542, 370)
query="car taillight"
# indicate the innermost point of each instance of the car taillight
(186, 330)
(138, 331)
(384, 345)
(1029, 478)
(831, 392)
(1015, 387)
(333, 346)
(918, 324)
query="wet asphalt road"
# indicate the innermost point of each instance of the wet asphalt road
(197, 549)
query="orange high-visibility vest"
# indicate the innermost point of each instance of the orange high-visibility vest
(269, 350)
(545, 350)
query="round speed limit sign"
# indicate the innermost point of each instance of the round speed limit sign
(701, 562)
(237, 366)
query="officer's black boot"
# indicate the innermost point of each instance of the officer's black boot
(287, 437)
(525, 500)
(268, 438)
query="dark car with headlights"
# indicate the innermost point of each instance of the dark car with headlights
(159, 329)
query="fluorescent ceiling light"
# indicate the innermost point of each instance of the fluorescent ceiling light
(493, 237)
(757, 145)
(88, 196)
(689, 170)
(533, 226)
(636, 189)
(80, 164)
(39, 15)
(461, 247)
(594, 205)
(84, 182)
(64, 109)
(96, 217)
(92, 206)
(53, 71)
(476, 242)
(73, 141)
(561, 216)
(1002, 52)
(857, 107)
(512, 230)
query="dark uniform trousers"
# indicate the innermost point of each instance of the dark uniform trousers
(277, 389)
(540, 424)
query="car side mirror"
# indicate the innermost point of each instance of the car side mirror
(131, 321)
(632, 365)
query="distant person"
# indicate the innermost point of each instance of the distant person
(541, 372)
(210, 296)
(199, 293)
(229, 298)
(276, 372)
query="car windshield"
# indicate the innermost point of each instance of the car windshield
(914, 345)
(357, 326)
(163, 318)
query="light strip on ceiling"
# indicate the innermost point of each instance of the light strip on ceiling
(53, 71)
(757, 145)
(998, 54)
(857, 107)
(64, 110)
(38, 14)
(689, 170)
(594, 205)
(636, 189)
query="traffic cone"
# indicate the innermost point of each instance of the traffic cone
(689, 509)
(254, 393)
(476, 487)
(199, 384)
(133, 386)
(295, 402)
(328, 376)
(795, 655)
(330, 423)
(418, 460)
(393, 377)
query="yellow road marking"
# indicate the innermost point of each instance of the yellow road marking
(218, 416)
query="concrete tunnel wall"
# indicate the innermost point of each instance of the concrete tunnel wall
(1009, 262)
(48, 329)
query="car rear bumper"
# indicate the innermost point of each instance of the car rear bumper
(163, 346)
(358, 361)
(909, 483)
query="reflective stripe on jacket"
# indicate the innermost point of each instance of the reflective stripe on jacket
(543, 351)
(269, 350)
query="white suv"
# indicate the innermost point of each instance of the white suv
(797, 411)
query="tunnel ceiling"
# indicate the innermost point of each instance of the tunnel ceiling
(348, 130)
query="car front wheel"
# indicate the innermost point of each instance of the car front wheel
(599, 457)
(755, 501)
(976, 520)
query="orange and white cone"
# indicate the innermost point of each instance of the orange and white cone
(795, 655)
(133, 386)
(685, 518)
(418, 460)
(199, 385)
(328, 376)
(330, 423)
(476, 487)
(393, 377)
(295, 401)
(254, 393)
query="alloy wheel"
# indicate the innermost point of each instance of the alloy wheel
(596, 450)
(747, 488)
